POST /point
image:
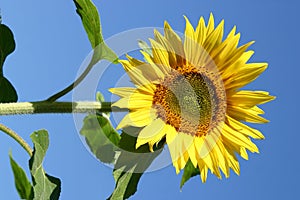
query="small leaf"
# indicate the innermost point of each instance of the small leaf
(22, 183)
(101, 137)
(44, 185)
(144, 46)
(100, 98)
(7, 44)
(91, 22)
(189, 172)
(130, 166)
(7, 91)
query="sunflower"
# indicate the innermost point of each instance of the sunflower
(188, 93)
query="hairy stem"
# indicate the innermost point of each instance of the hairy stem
(17, 138)
(56, 107)
(75, 83)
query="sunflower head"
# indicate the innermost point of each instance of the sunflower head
(188, 92)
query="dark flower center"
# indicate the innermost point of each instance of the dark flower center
(189, 102)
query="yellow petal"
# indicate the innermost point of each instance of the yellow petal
(137, 118)
(244, 129)
(203, 170)
(189, 41)
(148, 133)
(122, 92)
(147, 70)
(214, 38)
(248, 115)
(166, 44)
(210, 25)
(133, 98)
(157, 138)
(121, 103)
(176, 43)
(235, 56)
(245, 75)
(160, 54)
(200, 33)
(248, 99)
(178, 144)
(135, 74)
(232, 160)
(192, 154)
(134, 62)
(233, 137)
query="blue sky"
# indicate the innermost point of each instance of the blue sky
(52, 44)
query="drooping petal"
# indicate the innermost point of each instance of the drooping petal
(243, 128)
(146, 135)
(137, 118)
(248, 115)
(235, 138)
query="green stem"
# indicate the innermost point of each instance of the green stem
(17, 138)
(56, 107)
(75, 83)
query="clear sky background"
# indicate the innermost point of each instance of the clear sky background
(51, 45)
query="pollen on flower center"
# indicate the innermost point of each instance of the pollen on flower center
(188, 102)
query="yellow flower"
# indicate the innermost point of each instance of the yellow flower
(188, 93)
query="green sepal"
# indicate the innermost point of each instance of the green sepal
(145, 47)
(189, 172)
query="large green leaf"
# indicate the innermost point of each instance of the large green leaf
(44, 185)
(7, 44)
(22, 183)
(91, 22)
(130, 166)
(101, 137)
(189, 172)
(7, 91)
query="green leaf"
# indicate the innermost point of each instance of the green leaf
(130, 166)
(126, 183)
(101, 137)
(144, 46)
(44, 185)
(189, 172)
(22, 183)
(7, 44)
(91, 22)
(7, 91)
(100, 98)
